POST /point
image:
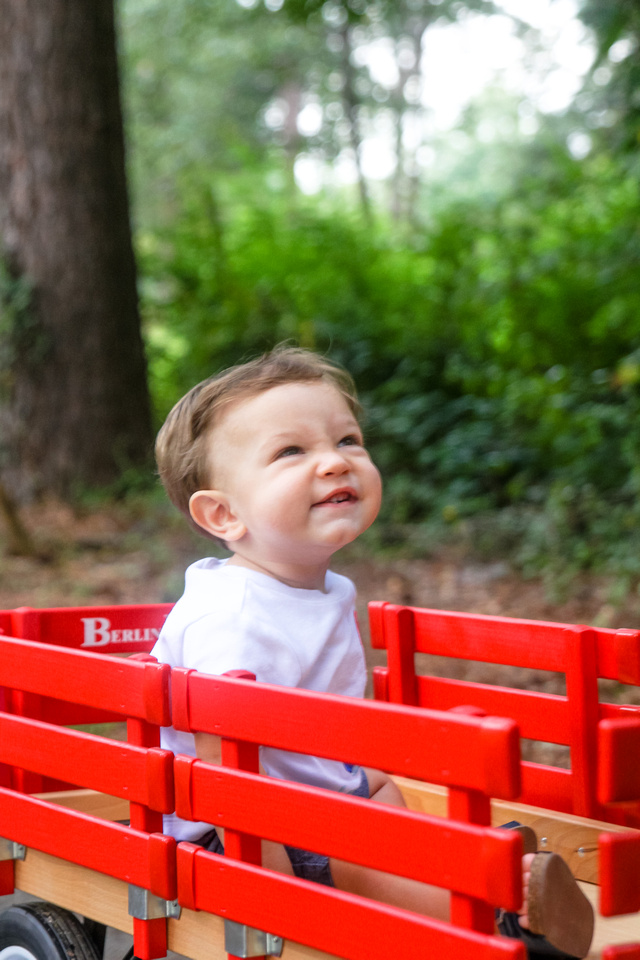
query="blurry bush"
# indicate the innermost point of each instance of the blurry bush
(497, 354)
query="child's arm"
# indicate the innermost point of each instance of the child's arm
(382, 789)
(209, 748)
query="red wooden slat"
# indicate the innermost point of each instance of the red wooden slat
(146, 860)
(614, 711)
(581, 653)
(534, 644)
(412, 742)
(481, 862)
(380, 676)
(123, 686)
(540, 716)
(338, 923)
(119, 769)
(622, 951)
(619, 873)
(618, 750)
(116, 629)
(545, 786)
(73, 714)
(376, 624)
(619, 655)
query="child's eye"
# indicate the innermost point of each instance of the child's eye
(350, 441)
(288, 452)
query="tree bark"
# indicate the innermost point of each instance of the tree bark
(74, 409)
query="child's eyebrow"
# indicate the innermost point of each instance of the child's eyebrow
(277, 440)
(284, 437)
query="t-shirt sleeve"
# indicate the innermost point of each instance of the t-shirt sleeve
(215, 644)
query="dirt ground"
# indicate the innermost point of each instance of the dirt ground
(124, 553)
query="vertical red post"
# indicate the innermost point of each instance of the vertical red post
(241, 755)
(149, 936)
(582, 694)
(470, 806)
(7, 873)
(400, 639)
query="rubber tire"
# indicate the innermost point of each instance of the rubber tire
(47, 932)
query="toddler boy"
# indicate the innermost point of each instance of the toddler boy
(268, 458)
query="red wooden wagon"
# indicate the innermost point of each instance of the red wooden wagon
(81, 813)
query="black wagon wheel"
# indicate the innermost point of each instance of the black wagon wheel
(43, 931)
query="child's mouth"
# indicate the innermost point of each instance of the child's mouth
(340, 496)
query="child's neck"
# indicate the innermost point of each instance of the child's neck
(303, 578)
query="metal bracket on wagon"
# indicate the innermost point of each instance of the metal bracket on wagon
(243, 941)
(144, 905)
(10, 850)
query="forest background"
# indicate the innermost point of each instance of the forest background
(485, 294)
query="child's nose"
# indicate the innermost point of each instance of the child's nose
(332, 463)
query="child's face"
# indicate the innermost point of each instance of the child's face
(294, 474)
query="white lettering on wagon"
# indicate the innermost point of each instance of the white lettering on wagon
(98, 633)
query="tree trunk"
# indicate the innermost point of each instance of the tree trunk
(74, 406)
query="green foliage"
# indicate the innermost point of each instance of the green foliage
(496, 355)
(616, 26)
(496, 349)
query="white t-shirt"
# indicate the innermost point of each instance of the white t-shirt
(232, 618)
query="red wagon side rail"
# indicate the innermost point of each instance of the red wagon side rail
(412, 735)
(122, 630)
(582, 654)
(480, 865)
(138, 772)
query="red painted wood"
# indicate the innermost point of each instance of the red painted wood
(401, 647)
(471, 806)
(241, 755)
(326, 919)
(427, 745)
(619, 655)
(478, 861)
(149, 938)
(7, 871)
(546, 786)
(582, 695)
(145, 860)
(240, 843)
(619, 873)
(65, 713)
(541, 716)
(380, 676)
(116, 629)
(582, 654)
(133, 773)
(618, 773)
(522, 643)
(376, 624)
(121, 686)
(622, 951)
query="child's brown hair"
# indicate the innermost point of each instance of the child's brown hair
(182, 452)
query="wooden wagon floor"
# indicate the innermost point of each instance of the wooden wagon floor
(610, 930)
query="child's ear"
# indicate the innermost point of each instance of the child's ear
(211, 510)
